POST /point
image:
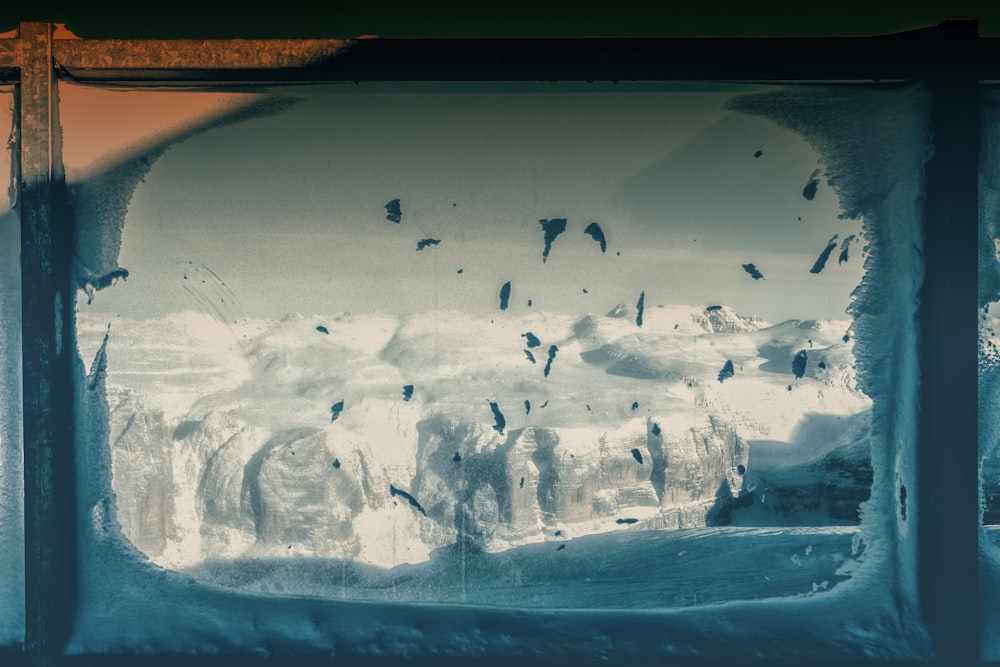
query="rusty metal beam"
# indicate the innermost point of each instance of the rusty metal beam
(8, 54)
(893, 58)
(9, 60)
(914, 55)
(47, 343)
(89, 58)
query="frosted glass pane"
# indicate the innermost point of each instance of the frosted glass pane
(11, 450)
(989, 367)
(520, 346)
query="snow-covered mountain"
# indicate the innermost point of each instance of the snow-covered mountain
(380, 439)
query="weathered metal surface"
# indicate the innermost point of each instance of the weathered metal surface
(896, 57)
(8, 61)
(847, 59)
(8, 53)
(232, 54)
(948, 456)
(46, 302)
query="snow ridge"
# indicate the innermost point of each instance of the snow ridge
(203, 473)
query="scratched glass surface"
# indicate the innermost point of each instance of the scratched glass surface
(475, 343)
(11, 447)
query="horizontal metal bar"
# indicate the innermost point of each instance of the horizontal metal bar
(898, 57)
(102, 55)
(921, 54)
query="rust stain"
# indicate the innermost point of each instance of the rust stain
(8, 53)
(235, 54)
(72, 53)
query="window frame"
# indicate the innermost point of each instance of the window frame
(952, 59)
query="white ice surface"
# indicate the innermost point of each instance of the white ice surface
(275, 377)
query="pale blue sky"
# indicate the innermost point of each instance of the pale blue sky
(288, 209)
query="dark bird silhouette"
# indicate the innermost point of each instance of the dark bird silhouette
(844, 248)
(499, 422)
(799, 364)
(595, 232)
(393, 491)
(392, 211)
(552, 228)
(825, 255)
(532, 339)
(552, 356)
(752, 270)
(809, 191)
(504, 295)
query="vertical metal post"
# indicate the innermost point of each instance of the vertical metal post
(948, 454)
(46, 293)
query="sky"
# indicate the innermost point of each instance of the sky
(286, 211)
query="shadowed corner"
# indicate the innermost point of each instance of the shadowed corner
(721, 512)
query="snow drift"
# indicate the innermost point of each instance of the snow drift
(630, 430)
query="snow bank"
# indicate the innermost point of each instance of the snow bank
(223, 435)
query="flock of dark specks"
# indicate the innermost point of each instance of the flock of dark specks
(551, 229)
